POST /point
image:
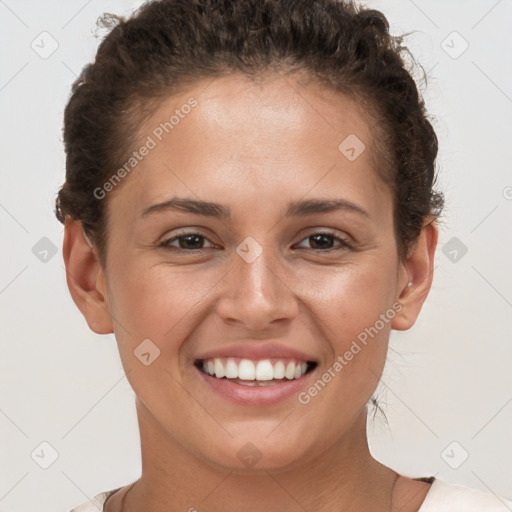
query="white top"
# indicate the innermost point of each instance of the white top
(442, 497)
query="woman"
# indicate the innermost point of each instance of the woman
(249, 207)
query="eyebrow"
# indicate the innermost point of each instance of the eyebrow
(295, 208)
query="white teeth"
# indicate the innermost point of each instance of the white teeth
(247, 370)
(279, 370)
(219, 368)
(289, 373)
(231, 369)
(264, 370)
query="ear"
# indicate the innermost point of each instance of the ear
(416, 274)
(85, 278)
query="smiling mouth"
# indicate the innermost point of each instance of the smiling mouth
(247, 372)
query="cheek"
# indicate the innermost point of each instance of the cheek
(160, 303)
(156, 304)
(353, 309)
(152, 301)
(349, 299)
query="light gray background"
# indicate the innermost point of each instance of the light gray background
(449, 380)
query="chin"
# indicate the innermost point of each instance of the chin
(259, 454)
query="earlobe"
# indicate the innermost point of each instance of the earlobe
(85, 278)
(417, 274)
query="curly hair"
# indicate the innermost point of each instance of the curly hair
(167, 44)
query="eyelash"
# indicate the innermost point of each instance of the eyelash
(166, 243)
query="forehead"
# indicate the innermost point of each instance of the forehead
(269, 137)
(274, 109)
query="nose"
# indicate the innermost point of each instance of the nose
(257, 295)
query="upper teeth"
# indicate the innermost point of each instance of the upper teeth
(245, 369)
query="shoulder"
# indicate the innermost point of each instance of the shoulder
(448, 497)
(95, 504)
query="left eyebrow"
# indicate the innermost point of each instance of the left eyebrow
(309, 207)
(205, 208)
(295, 208)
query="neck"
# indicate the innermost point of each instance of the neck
(344, 477)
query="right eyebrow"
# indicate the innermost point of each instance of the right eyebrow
(191, 206)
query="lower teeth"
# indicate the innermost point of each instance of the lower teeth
(257, 382)
(273, 382)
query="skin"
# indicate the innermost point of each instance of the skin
(254, 148)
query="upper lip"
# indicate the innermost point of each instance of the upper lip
(257, 351)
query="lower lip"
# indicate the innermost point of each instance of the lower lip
(255, 395)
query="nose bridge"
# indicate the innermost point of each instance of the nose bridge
(257, 293)
(258, 275)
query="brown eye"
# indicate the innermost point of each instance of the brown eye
(324, 241)
(186, 241)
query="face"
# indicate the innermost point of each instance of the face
(246, 241)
